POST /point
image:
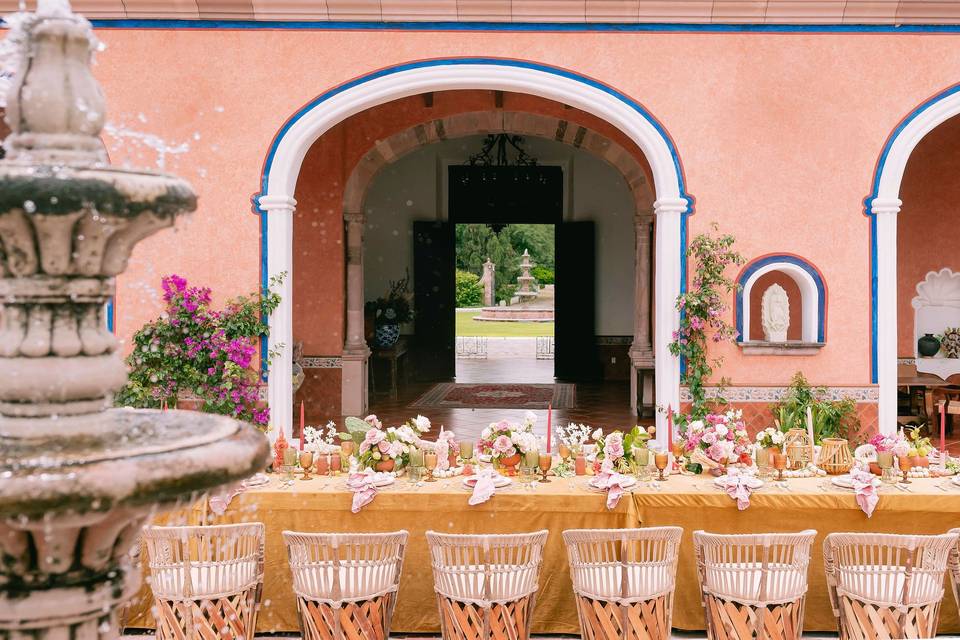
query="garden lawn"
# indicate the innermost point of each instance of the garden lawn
(467, 326)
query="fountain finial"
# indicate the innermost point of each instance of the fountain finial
(55, 107)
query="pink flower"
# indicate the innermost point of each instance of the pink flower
(374, 421)
(709, 438)
(384, 446)
(503, 445)
(613, 447)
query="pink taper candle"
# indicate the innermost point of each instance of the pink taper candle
(549, 425)
(943, 429)
(301, 425)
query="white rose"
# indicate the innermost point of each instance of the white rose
(530, 417)
(486, 433)
(721, 431)
(422, 424)
(597, 434)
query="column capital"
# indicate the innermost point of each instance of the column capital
(885, 205)
(270, 203)
(355, 218)
(644, 216)
(670, 205)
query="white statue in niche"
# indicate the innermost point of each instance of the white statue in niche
(775, 314)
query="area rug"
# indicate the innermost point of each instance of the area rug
(499, 396)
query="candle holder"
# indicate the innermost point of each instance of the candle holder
(905, 466)
(779, 463)
(430, 463)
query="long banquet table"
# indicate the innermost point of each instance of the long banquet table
(323, 504)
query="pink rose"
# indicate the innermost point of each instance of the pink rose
(384, 446)
(373, 421)
(502, 445)
(613, 447)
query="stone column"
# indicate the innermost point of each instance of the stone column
(353, 397)
(641, 351)
(669, 215)
(279, 211)
(885, 211)
(489, 283)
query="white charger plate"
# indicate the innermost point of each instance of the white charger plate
(628, 482)
(844, 481)
(755, 483)
(498, 483)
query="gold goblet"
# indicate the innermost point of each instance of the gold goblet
(546, 461)
(779, 461)
(661, 460)
(306, 463)
(905, 466)
(430, 462)
(564, 451)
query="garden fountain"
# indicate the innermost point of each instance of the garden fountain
(77, 479)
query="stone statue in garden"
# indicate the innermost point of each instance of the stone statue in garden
(488, 280)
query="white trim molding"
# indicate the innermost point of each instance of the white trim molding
(882, 207)
(810, 315)
(282, 170)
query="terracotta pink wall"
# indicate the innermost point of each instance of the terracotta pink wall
(778, 135)
(928, 226)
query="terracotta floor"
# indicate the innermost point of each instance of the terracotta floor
(603, 404)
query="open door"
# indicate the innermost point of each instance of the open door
(434, 300)
(575, 347)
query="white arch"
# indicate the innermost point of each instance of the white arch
(282, 169)
(882, 206)
(809, 298)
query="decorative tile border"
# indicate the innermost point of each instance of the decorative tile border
(906, 361)
(322, 362)
(775, 394)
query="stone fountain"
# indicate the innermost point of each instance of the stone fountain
(77, 479)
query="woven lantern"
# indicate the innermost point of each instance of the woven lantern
(835, 456)
(797, 446)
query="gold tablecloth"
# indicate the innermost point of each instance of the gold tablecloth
(689, 502)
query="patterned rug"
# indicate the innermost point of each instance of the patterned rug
(499, 396)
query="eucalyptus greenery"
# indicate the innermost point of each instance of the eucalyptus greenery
(702, 308)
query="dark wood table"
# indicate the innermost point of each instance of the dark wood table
(930, 386)
(393, 355)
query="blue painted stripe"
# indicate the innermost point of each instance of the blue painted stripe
(755, 266)
(874, 360)
(548, 27)
(110, 316)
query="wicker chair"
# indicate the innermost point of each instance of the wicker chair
(624, 580)
(486, 585)
(954, 562)
(206, 581)
(885, 586)
(755, 585)
(346, 583)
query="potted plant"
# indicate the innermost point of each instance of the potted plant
(390, 311)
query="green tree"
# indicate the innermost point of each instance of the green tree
(477, 242)
(469, 289)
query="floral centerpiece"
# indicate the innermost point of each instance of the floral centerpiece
(323, 440)
(768, 439)
(920, 448)
(574, 436)
(887, 447)
(717, 440)
(621, 451)
(381, 451)
(505, 441)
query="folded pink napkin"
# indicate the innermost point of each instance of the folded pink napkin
(739, 486)
(612, 482)
(363, 489)
(866, 490)
(221, 500)
(484, 488)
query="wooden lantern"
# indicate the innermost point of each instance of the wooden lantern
(797, 446)
(835, 456)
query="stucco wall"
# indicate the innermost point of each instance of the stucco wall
(413, 189)
(928, 226)
(778, 135)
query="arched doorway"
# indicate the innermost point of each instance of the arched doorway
(882, 207)
(281, 170)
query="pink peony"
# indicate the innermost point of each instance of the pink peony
(613, 447)
(503, 445)
(384, 446)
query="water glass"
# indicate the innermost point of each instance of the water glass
(414, 474)
(466, 450)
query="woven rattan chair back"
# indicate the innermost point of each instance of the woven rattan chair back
(346, 583)
(206, 581)
(623, 581)
(954, 565)
(885, 586)
(486, 585)
(755, 585)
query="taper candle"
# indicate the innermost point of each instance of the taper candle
(549, 425)
(301, 425)
(943, 429)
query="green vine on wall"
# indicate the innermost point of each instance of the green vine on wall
(702, 314)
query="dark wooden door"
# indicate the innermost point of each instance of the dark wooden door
(575, 347)
(434, 300)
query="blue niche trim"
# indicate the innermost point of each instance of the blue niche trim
(760, 263)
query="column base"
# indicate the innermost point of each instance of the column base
(354, 400)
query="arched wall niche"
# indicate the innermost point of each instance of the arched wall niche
(807, 282)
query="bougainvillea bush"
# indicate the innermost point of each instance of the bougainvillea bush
(195, 351)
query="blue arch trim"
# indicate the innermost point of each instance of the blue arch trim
(549, 27)
(503, 62)
(868, 211)
(111, 322)
(755, 266)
